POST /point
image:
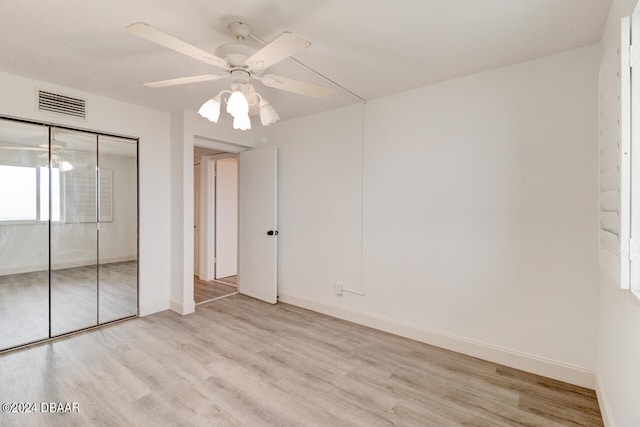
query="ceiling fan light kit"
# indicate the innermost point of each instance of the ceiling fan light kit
(242, 122)
(237, 104)
(211, 109)
(239, 101)
(268, 114)
(62, 164)
(242, 63)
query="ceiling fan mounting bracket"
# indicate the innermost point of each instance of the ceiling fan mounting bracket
(240, 30)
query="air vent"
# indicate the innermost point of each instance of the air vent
(61, 104)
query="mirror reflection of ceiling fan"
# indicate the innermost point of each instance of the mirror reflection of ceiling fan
(242, 64)
(57, 147)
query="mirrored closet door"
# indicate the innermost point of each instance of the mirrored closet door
(74, 231)
(24, 233)
(118, 217)
(68, 231)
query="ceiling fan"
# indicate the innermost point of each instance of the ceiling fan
(242, 64)
(57, 147)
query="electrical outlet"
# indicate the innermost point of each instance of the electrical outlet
(339, 286)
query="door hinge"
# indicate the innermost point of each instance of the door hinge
(634, 249)
(215, 260)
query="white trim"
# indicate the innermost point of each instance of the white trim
(603, 402)
(206, 218)
(214, 144)
(148, 309)
(180, 308)
(625, 165)
(62, 266)
(523, 361)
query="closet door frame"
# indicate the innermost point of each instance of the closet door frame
(50, 126)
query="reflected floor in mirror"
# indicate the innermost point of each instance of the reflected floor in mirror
(24, 300)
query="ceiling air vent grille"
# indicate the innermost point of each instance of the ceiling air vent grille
(61, 104)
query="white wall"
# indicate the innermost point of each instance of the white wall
(618, 364)
(152, 127)
(480, 213)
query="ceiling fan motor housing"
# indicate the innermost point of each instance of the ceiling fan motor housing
(235, 54)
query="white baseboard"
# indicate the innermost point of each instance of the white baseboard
(603, 402)
(182, 308)
(189, 307)
(23, 269)
(526, 362)
(61, 266)
(148, 309)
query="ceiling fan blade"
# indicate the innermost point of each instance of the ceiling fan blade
(156, 36)
(295, 86)
(22, 148)
(184, 80)
(283, 46)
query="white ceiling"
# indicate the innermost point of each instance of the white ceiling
(372, 47)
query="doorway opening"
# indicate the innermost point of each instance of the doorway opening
(215, 224)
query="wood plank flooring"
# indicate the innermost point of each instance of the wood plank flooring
(231, 280)
(205, 291)
(241, 362)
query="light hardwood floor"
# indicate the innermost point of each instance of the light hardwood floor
(208, 290)
(241, 362)
(231, 280)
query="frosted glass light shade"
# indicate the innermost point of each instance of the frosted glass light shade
(242, 122)
(211, 109)
(237, 104)
(61, 163)
(65, 166)
(268, 114)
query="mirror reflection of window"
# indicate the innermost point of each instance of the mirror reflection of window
(19, 202)
(55, 194)
(20, 198)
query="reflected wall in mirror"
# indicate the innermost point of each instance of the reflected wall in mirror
(118, 237)
(24, 233)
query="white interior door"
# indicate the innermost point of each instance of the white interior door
(206, 223)
(258, 225)
(196, 219)
(226, 218)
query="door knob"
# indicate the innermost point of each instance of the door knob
(272, 233)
